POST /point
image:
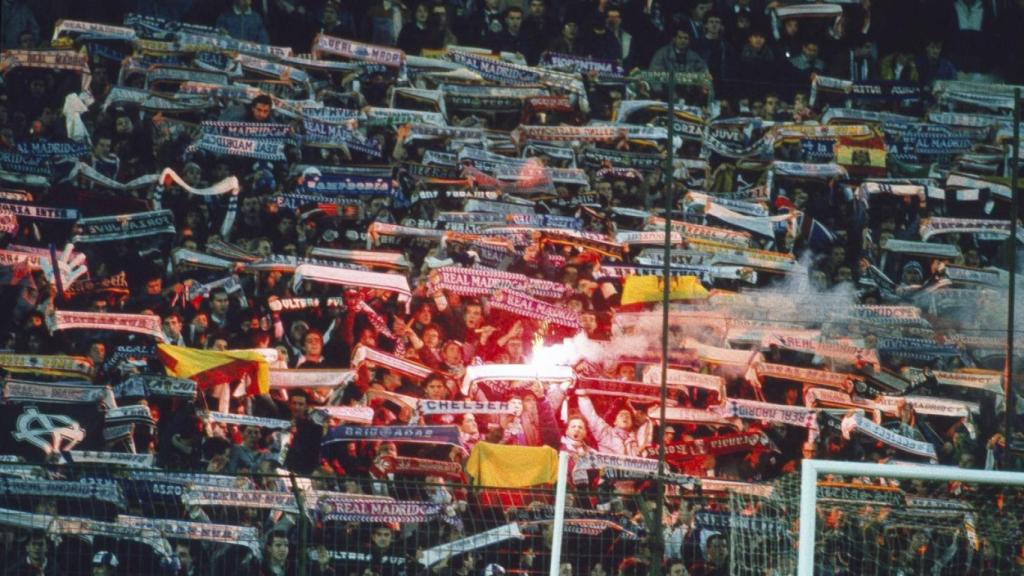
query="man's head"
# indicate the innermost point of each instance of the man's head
(576, 430)
(97, 352)
(756, 39)
(313, 345)
(700, 9)
(569, 31)
(536, 8)
(513, 20)
(434, 388)
(219, 302)
(101, 148)
(251, 437)
(26, 41)
(262, 105)
(933, 50)
(172, 325)
(35, 547)
(250, 206)
(439, 16)
(514, 347)
(473, 315)
(422, 13)
(382, 536)
(681, 41)
(298, 404)
(790, 27)
(717, 552)
(123, 125)
(154, 286)
(243, 5)
(613, 19)
(277, 548)
(588, 321)
(624, 419)
(712, 26)
(810, 49)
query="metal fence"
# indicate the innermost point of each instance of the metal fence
(163, 522)
(157, 522)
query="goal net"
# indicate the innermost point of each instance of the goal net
(875, 519)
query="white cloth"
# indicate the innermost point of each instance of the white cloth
(969, 15)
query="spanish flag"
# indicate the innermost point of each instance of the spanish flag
(209, 368)
(863, 157)
(638, 289)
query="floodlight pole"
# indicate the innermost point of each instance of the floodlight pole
(667, 178)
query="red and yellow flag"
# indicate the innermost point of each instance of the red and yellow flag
(862, 157)
(209, 367)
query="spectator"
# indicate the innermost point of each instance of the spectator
(414, 36)
(510, 38)
(678, 56)
(757, 62)
(337, 21)
(932, 66)
(241, 22)
(246, 456)
(35, 558)
(566, 43)
(276, 556)
(597, 41)
(439, 29)
(720, 56)
(485, 23)
(693, 21)
(807, 61)
(625, 40)
(899, 67)
(538, 30)
(18, 19)
(620, 438)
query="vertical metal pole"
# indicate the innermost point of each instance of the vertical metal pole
(559, 521)
(659, 529)
(58, 282)
(304, 527)
(1011, 393)
(808, 517)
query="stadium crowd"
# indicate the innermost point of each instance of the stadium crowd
(320, 286)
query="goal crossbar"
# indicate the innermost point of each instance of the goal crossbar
(811, 469)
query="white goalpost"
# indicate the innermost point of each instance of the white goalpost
(812, 470)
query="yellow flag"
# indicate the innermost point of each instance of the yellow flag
(505, 466)
(639, 289)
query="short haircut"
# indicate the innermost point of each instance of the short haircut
(263, 99)
(275, 534)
